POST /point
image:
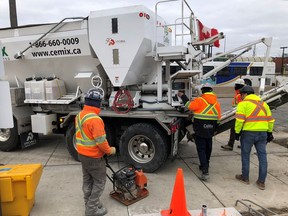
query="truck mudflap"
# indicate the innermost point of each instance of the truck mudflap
(28, 139)
(178, 132)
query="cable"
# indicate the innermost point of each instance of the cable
(120, 101)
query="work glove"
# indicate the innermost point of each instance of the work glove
(269, 137)
(237, 136)
(112, 151)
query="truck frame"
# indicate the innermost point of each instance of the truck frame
(120, 52)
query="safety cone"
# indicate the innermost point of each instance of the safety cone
(178, 201)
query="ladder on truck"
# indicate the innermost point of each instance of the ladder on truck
(274, 98)
(185, 48)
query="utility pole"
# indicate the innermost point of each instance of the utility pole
(282, 65)
(13, 13)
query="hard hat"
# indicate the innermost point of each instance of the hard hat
(240, 81)
(93, 94)
(207, 87)
(93, 98)
(247, 89)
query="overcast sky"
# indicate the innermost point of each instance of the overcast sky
(241, 21)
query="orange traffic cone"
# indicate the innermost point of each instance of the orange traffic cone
(223, 213)
(178, 201)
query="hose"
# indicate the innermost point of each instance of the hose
(122, 100)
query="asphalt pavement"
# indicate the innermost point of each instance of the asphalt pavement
(59, 191)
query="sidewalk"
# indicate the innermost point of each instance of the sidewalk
(59, 191)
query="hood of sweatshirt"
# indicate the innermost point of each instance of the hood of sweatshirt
(210, 97)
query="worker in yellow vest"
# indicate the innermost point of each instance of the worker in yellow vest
(254, 124)
(92, 145)
(239, 83)
(206, 116)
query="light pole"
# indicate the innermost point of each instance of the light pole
(282, 65)
(13, 13)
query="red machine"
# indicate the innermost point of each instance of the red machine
(129, 184)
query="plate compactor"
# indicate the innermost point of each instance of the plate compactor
(129, 184)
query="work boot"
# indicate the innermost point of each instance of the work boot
(260, 185)
(101, 211)
(200, 167)
(100, 205)
(241, 179)
(205, 175)
(227, 147)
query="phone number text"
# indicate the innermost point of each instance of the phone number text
(56, 42)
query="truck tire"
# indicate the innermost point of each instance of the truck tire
(71, 140)
(9, 138)
(110, 134)
(145, 146)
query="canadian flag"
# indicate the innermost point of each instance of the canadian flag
(205, 33)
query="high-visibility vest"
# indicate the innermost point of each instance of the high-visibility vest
(86, 144)
(253, 115)
(236, 99)
(209, 113)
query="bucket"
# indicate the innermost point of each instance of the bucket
(38, 89)
(54, 88)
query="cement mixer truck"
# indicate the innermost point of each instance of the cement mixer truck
(121, 53)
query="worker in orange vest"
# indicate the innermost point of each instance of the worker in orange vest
(92, 145)
(239, 83)
(206, 116)
(254, 124)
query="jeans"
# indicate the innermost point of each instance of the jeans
(259, 140)
(94, 179)
(204, 150)
(232, 136)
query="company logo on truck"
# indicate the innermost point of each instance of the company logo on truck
(112, 42)
(28, 139)
(5, 54)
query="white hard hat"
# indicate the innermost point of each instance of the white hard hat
(240, 81)
(206, 85)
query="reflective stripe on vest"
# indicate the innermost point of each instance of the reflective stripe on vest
(85, 140)
(204, 114)
(253, 117)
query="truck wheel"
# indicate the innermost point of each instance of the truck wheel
(70, 140)
(145, 146)
(110, 134)
(9, 138)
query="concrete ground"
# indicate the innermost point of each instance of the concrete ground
(59, 190)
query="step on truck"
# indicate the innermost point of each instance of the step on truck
(120, 52)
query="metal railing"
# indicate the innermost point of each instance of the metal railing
(20, 54)
(252, 210)
(183, 25)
